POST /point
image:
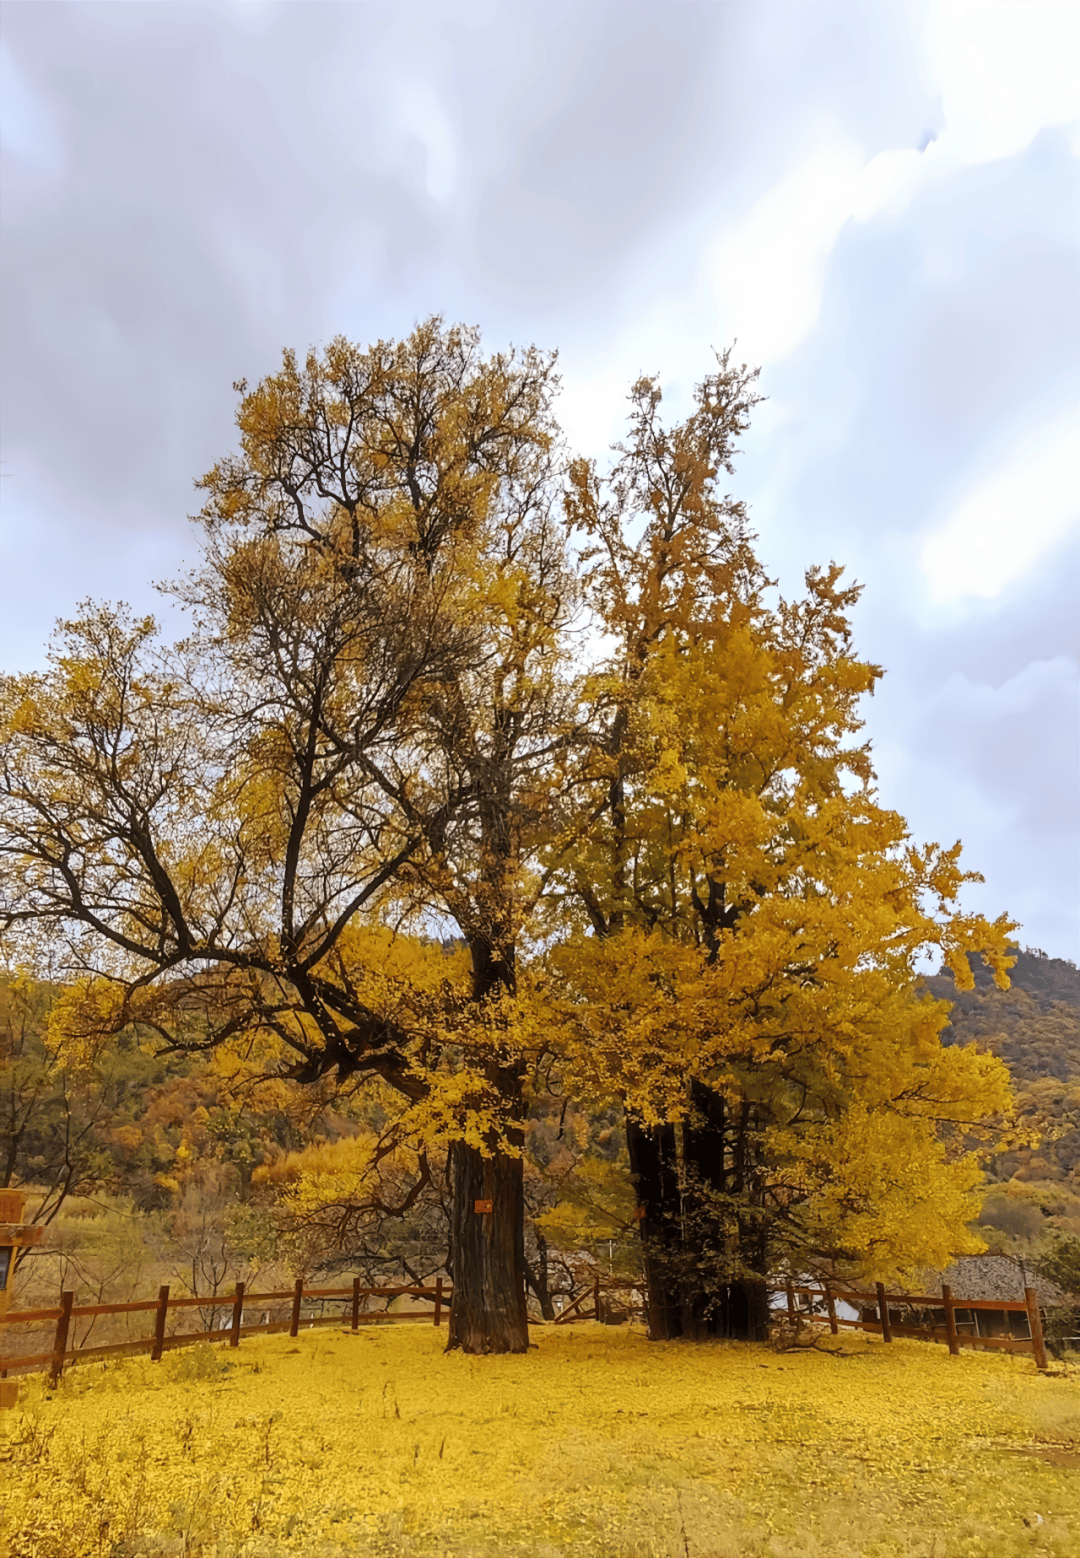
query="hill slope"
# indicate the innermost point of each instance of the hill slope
(1035, 1028)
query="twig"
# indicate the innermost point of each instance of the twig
(815, 1345)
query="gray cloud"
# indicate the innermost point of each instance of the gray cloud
(187, 189)
(947, 331)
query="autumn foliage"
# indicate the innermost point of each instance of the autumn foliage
(488, 777)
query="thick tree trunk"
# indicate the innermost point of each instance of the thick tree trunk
(487, 1248)
(743, 1311)
(654, 1171)
(487, 1253)
(686, 1242)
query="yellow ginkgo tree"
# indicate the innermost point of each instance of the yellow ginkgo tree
(399, 725)
(749, 918)
(360, 733)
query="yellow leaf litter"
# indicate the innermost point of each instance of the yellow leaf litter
(595, 1442)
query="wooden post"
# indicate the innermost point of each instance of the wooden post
(63, 1324)
(791, 1313)
(438, 1300)
(237, 1315)
(830, 1304)
(356, 1303)
(298, 1294)
(1038, 1345)
(596, 1296)
(159, 1323)
(883, 1312)
(950, 1320)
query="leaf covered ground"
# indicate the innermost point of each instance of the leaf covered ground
(595, 1443)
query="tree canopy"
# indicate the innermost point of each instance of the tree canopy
(444, 685)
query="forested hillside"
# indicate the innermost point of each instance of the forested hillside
(1035, 1028)
(179, 1166)
(197, 1170)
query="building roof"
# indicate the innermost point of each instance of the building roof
(992, 1275)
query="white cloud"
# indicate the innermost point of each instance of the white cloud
(406, 131)
(888, 180)
(1026, 505)
(420, 115)
(768, 271)
(1005, 70)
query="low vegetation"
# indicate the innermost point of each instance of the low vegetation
(595, 1442)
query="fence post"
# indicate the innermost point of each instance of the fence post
(831, 1306)
(596, 1296)
(883, 1313)
(297, 1297)
(60, 1342)
(1038, 1345)
(790, 1292)
(159, 1323)
(237, 1315)
(438, 1300)
(356, 1303)
(950, 1320)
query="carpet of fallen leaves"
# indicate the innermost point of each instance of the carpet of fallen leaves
(594, 1443)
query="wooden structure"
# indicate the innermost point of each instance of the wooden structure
(599, 1302)
(292, 1299)
(1004, 1325)
(14, 1236)
(996, 1324)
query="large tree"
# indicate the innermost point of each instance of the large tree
(378, 721)
(750, 917)
(359, 730)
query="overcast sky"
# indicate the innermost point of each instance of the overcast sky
(880, 201)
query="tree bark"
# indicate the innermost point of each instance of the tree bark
(684, 1240)
(487, 1259)
(538, 1278)
(488, 1311)
(655, 1173)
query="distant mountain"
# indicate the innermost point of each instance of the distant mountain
(1033, 1192)
(1034, 1026)
(1045, 979)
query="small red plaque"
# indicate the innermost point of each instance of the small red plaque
(482, 1206)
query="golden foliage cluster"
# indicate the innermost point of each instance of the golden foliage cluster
(442, 682)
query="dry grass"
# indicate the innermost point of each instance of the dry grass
(595, 1443)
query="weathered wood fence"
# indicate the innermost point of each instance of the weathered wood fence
(60, 1353)
(959, 1318)
(598, 1303)
(603, 1299)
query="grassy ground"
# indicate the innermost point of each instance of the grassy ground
(595, 1443)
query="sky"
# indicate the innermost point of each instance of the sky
(877, 202)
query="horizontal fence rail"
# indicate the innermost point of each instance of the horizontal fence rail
(233, 1328)
(597, 1302)
(959, 1318)
(1009, 1326)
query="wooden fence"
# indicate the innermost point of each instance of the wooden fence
(959, 1318)
(597, 1303)
(61, 1353)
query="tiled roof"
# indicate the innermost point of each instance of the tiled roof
(991, 1276)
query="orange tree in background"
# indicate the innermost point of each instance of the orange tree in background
(387, 732)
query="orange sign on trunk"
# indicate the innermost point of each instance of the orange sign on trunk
(482, 1206)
